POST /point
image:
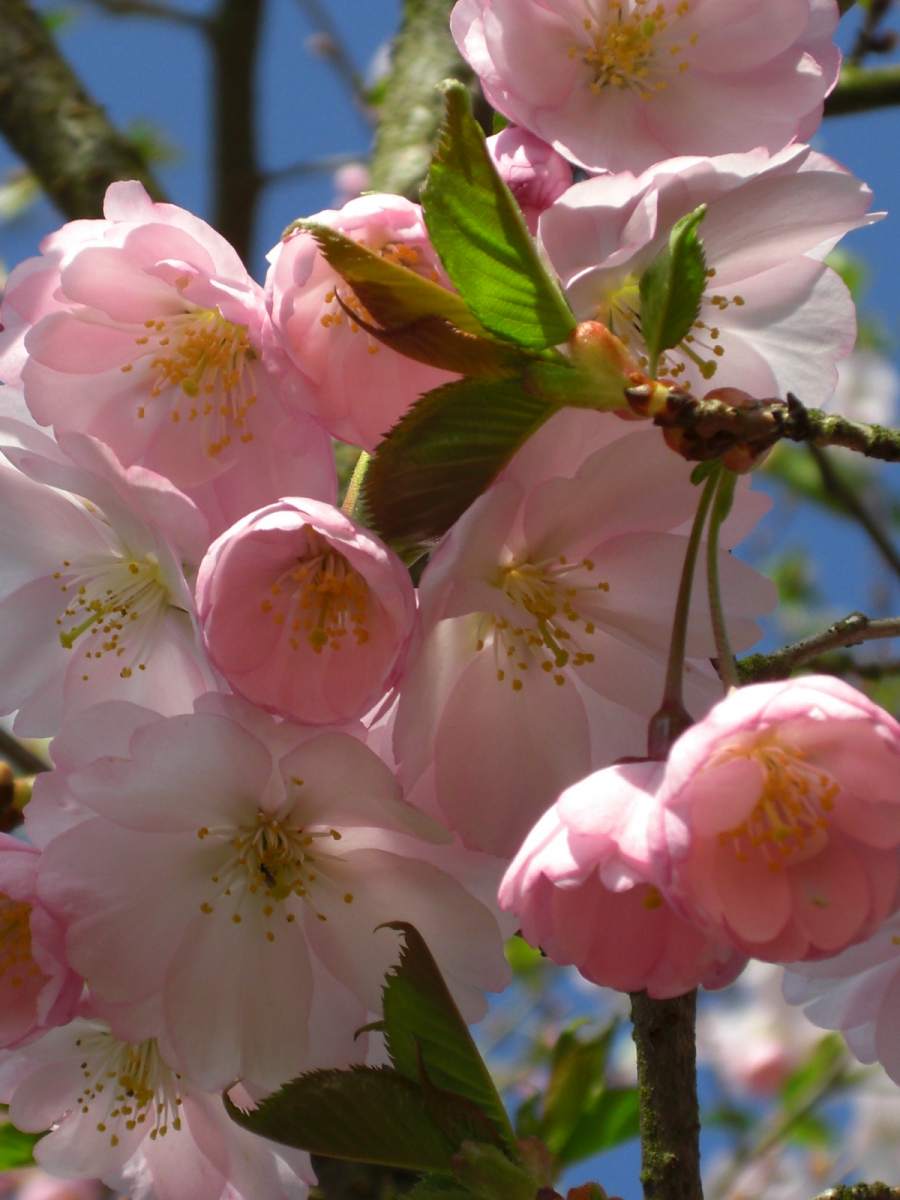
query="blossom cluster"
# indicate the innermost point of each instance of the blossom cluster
(268, 743)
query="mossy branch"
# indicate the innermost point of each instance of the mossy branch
(52, 123)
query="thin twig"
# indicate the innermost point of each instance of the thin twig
(334, 50)
(315, 166)
(869, 38)
(852, 630)
(849, 498)
(155, 9)
(840, 663)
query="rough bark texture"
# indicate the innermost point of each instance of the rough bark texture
(424, 53)
(53, 124)
(234, 39)
(663, 1032)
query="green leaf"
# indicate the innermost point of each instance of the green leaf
(489, 1175)
(811, 1130)
(393, 294)
(438, 1187)
(16, 1148)
(478, 230)
(826, 1056)
(444, 452)
(576, 1071)
(429, 1041)
(672, 288)
(364, 1114)
(611, 1119)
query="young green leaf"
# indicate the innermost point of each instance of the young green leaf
(426, 1036)
(364, 1114)
(672, 288)
(444, 452)
(576, 1076)
(609, 1120)
(16, 1148)
(489, 1175)
(478, 230)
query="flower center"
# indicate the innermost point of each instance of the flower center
(623, 50)
(200, 363)
(117, 602)
(17, 967)
(127, 1085)
(548, 594)
(620, 311)
(276, 860)
(790, 819)
(320, 600)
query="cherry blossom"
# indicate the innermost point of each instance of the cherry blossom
(93, 585)
(305, 612)
(585, 887)
(788, 795)
(145, 331)
(37, 988)
(358, 388)
(858, 993)
(533, 171)
(117, 1110)
(617, 85)
(546, 618)
(773, 317)
(237, 867)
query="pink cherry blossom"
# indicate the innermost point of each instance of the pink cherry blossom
(533, 171)
(616, 85)
(585, 887)
(788, 795)
(37, 988)
(93, 592)
(357, 388)
(117, 1110)
(145, 331)
(305, 612)
(858, 993)
(237, 867)
(773, 318)
(546, 618)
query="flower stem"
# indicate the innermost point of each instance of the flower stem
(721, 508)
(353, 495)
(672, 718)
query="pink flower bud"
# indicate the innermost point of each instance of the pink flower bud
(305, 612)
(533, 171)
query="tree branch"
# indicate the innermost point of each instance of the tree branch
(155, 9)
(702, 430)
(424, 53)
(852, 630)
(52, 123)
(334, 50)
(862, 1191)
(861, 90)
(663, 1032)
(237, 180)
(835, 484)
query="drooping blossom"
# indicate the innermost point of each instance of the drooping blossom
(616, 85)
(358, 388)
(93, 592)
(546, 617)
(237, 867)
(117, 1110)
(773, 317)
(305, 612)
(585, 887)
(144, 330)
(37, 988)
(858, 993)
(752, 1038)
(786, 798)
(533, 171)
(349, 183)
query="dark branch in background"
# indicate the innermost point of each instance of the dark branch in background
(871, 38)
(861, 90)
(852, 630)
(424, 53)
(835, 484)
(663, 1032)
(53, 124)
(234, 33)
(330, 46)
(152, 8)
